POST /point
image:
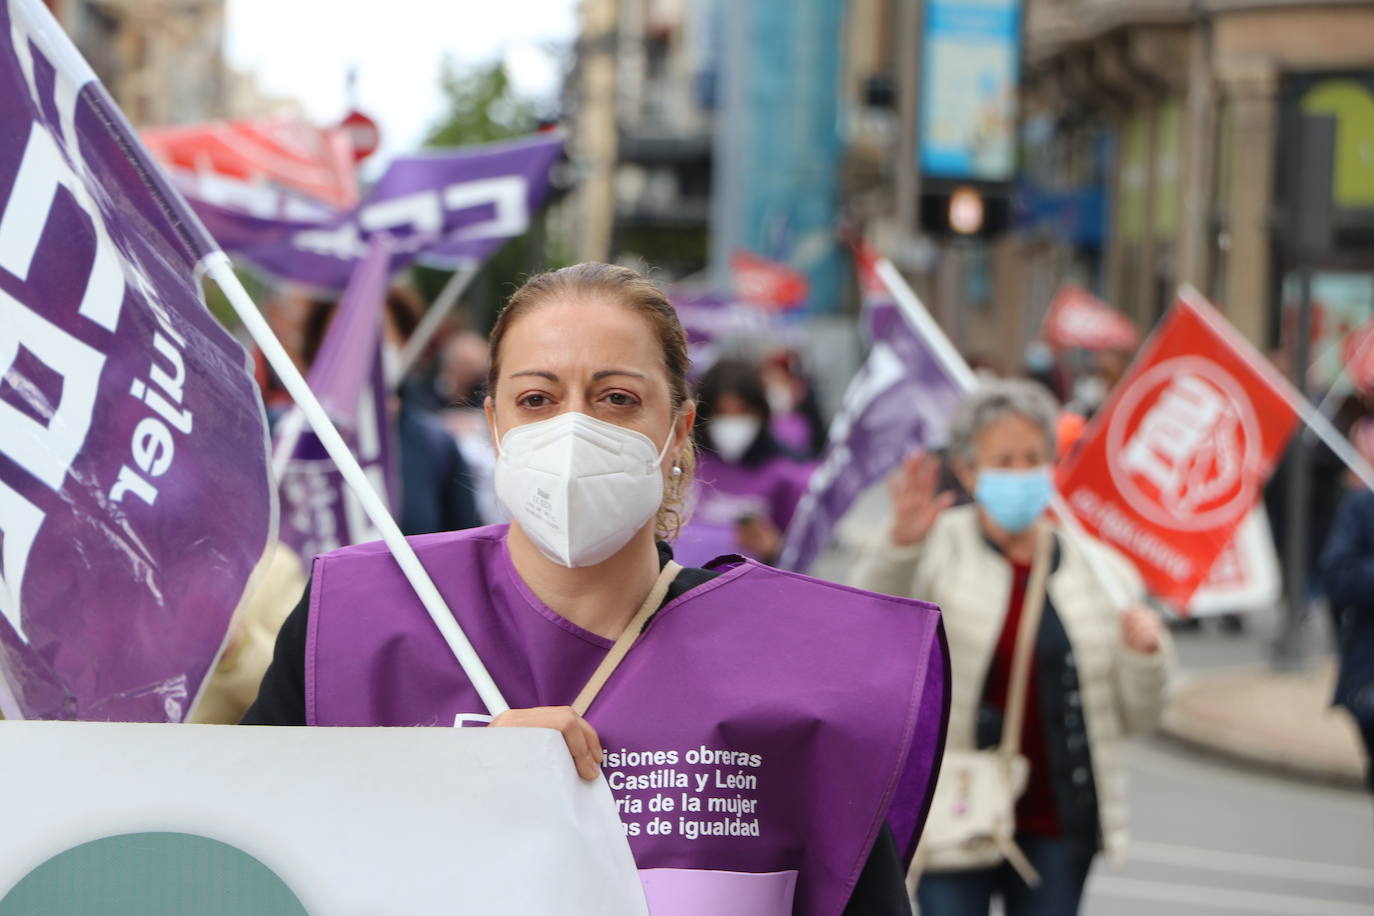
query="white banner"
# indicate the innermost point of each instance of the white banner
(1245, 576)
(351, 820)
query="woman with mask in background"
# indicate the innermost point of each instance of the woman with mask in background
(796, 413)
(794, 724)
(1094, 675)
(747, 484)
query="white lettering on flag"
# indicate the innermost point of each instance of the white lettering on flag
(41, 172)
(1175, 429)
(20, 521)
(423, 213)
(507, 196)
(46, 441)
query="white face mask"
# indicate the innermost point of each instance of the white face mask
(579, 487)
(731, 435)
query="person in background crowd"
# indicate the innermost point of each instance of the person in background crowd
(828, 702)
(983, 366)
(748, 485)
(1347, 575)
(1111, 366)
(1098, 674)
(461, 380)
(288, 311)
(1041, 366)
(232, 685)
(796, 414)
(461, 385)
(1326, 485)
(436, 484)
(1094, 386)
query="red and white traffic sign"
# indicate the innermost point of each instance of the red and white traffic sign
(362, 132)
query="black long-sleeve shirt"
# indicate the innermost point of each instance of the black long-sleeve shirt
(1347, 575)
(880, 891)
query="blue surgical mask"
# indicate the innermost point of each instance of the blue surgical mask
(1013, 499)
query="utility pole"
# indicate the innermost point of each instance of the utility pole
(596, 140)
(908, 108)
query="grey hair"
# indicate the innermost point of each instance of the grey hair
(994, 400)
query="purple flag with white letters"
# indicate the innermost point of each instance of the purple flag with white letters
(901, 399)
(447, 208)
(318, 510)
(135, 495)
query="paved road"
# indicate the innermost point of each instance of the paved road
(1216, 839)
(1213, 839)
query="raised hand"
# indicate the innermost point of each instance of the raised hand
(915, 502)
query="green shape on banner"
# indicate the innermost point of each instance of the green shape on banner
(1353, 107)
(152, 874)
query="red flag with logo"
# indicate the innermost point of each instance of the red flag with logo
(1357, 351)
(1176, 459)
(769, 283)
(281, 151)
(1078, 319)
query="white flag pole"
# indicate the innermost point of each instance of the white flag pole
(953, 363)
(925, 324)
(424, 332)
(218, 268)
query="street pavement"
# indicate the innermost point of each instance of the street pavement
(1216, 838)
(1212, 839)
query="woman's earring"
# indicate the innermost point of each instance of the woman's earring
(677, 472)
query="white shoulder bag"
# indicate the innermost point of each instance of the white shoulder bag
(972, 820)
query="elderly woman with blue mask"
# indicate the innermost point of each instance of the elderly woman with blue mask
(1095, 674)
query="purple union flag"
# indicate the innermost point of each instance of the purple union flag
(900, 399)
(318, 510)
(135, 496)
(448, 208)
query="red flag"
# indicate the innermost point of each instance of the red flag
(1176, 459)
(866, 258)
(284, 152)
(1077, 318)
(1357, 351)
(764, 282)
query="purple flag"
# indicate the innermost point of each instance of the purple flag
(446, 208)
(135, 495)
(715, 323)
(901, 399)
(319, 511)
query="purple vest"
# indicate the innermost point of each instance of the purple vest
(757, 734)
(724, 492)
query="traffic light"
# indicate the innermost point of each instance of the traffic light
(964, 210)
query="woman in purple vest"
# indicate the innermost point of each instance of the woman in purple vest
(771, 740)
(747, 483)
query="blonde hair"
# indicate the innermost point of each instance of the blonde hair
(592, 281)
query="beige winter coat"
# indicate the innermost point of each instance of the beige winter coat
(1123, 691)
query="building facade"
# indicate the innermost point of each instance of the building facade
(1203, 107)
(641, 103)
(162, 60)
(706, 127)
(1159, 144)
